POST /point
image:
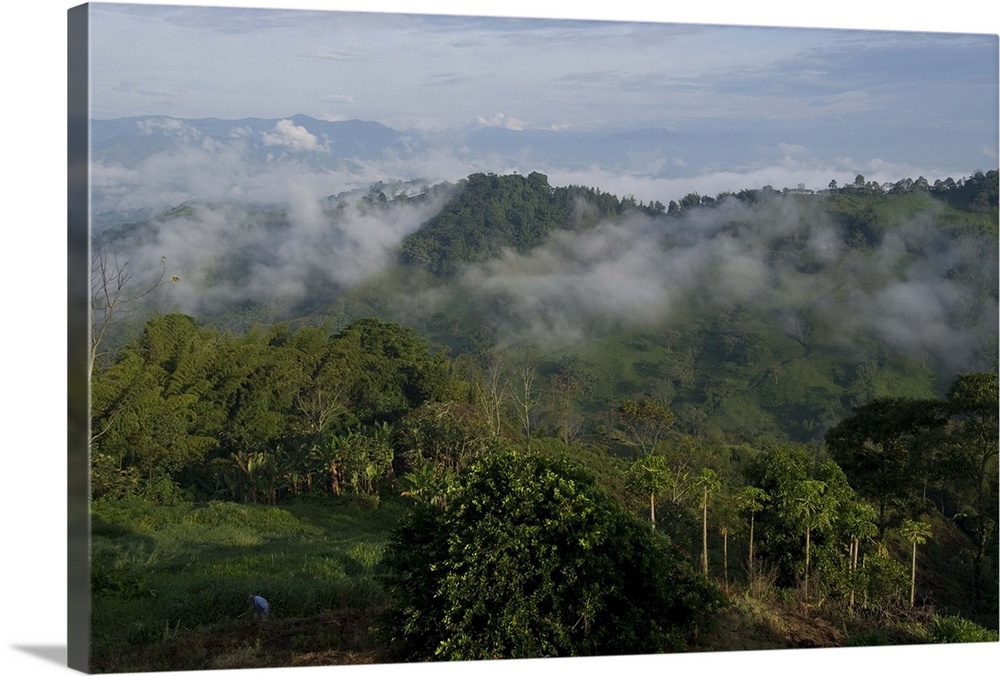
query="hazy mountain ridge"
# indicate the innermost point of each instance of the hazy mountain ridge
(131, 140)
(335, 144)
(143, 165)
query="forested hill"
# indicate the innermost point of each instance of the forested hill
(761, 315)
(798, 389)
(491, 213)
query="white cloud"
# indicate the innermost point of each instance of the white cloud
(501, 120)
(288, 134)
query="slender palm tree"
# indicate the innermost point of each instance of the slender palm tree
(651, 475)
(810, 509)
(916, 533)
(752, 500)
(859, 524)
(709, 484)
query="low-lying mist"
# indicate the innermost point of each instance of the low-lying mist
(920, 291)
(267, 234)
(229, 254)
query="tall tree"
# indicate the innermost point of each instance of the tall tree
(137, 422)
(524, 389)
(882, 449)
(650, 475)
(810, 508)
(395, 369)
(325, 382)
(490, 385)
(448, 435)
(116, 294)
(916, 533)
(968, 458)
(797, 525)
(752, 500)
(859, 525)
(646, 421)
(570, 381)
(709, 483)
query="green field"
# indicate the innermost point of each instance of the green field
(173, 575)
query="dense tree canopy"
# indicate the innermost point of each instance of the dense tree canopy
(531, 559)
(256, 415)
(883, 448)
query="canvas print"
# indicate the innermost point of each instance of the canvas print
(423, 338)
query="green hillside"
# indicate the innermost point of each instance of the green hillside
(457, 423)
(760, 315)
(784, 357)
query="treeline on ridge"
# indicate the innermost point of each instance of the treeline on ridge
(492, 212)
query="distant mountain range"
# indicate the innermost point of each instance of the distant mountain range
(141, 165)
(129, 141)
(329, 144)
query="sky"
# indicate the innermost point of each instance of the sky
(34, 51)
(439, 72)
(865, 98)
(750, 103)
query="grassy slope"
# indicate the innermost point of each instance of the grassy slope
(162, 572)
(171, 586)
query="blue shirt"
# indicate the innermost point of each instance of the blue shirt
(260, 605)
